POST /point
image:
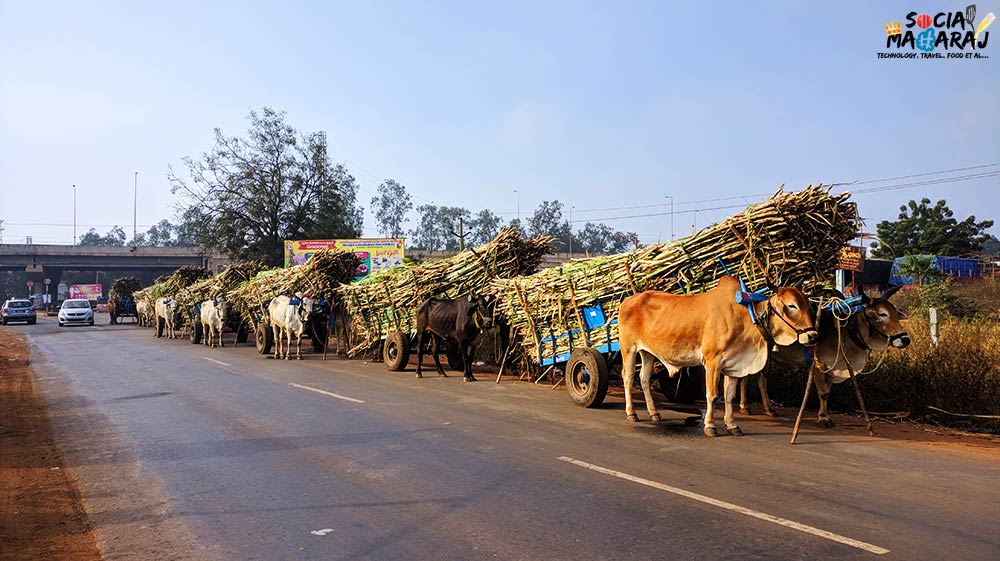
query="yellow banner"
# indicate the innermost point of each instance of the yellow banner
(376, 254)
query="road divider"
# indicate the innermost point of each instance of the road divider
(730, 506)
(326, 393)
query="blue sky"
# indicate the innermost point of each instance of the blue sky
(599, 105)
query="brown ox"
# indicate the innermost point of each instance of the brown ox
(709, 329)
(871, 330)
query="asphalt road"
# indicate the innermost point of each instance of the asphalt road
(184, 452)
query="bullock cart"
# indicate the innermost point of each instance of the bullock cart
(190, 298)
(566, 318)
(168, 287)
(317, 279)
(378, 313)
(121, 303)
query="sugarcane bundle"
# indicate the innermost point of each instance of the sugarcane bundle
(123, 287)
(320, 276)
(387, 301)
(169, 286)
(791, 238)
(218, 286)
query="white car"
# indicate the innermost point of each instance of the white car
(76, 310)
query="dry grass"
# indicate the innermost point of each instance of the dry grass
(960, 375)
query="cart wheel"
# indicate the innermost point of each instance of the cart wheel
(264, 336)
(455, 361)
(587, 377)
(319, 336)
(196, 333)
(396, 351)
(242, 333)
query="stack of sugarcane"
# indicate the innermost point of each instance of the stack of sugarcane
(320, 276)
(170, 285)
(123, 287)
(218, 286)
(387, 301)
(791, 238)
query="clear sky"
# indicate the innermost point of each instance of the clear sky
(600, 105)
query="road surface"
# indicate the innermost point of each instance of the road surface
(184, 452)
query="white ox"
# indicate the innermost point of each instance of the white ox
(142, 312)
(211, 321)
(289, 317)
(166, 309)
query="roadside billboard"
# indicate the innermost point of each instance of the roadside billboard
(376, 254)
(88, 291)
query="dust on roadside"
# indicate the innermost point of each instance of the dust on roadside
(41, 513)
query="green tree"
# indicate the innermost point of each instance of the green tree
(601, 239)
(925, 229)
(483, 227)
(247, 195)
(920, 268)
(438, 228)
(991, 246)
(115, 236)
(547, 220)
(390, 207)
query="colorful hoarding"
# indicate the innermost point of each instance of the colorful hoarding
(87, 291)
(377, 254)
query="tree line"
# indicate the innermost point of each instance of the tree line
(248, 194)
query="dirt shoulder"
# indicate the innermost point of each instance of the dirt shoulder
(41, 514)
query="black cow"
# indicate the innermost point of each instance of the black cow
(458, 321)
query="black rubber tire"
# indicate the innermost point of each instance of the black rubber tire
(584, 365)
(196, 333)
(455, 359)
(396, 351)
(264, 336)
(242, 334)
(320, 334)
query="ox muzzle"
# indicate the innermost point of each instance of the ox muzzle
(900, 340)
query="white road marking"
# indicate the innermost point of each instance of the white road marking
(216, 361)
(322, 532)
(730, 506)
(331, 394)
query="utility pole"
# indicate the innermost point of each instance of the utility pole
(671, 197)
(135, 199)
(517, 195)
(74, 214)
(460, 234)
(571, 229)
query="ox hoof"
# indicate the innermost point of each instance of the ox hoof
(825, 423)
(442, 375)
(419, 375)
(655, 417)
(770, 413)
(735, 431)
(469, 379)
(632, 418)
(745, 411)
(710, 431)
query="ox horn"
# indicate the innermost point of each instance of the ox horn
(892, 290)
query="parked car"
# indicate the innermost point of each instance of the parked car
(76, 310)
(19, 309)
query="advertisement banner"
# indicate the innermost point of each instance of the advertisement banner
(88, 291)
(376, 254)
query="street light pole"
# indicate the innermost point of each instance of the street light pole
(671, 197)
(571, 229)
(74, 214)
(135, 199)
(517, 195)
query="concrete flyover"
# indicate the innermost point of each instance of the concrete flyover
(49, 261)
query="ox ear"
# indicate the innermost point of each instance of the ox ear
(865, 299)
(902, 315)
(892, 290)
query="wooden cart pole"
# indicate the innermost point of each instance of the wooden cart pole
(861, 401)
(503, 361)
(805, 397)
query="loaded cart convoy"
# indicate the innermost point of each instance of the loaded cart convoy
(725, 299)
(121, 303)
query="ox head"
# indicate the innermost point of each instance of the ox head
(305, 305)
(883, 319)
(481, 310)
(792, 319)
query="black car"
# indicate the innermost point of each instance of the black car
(19, 310)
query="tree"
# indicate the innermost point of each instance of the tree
(601, 239)
(926, 229)
(161, 234)
(247, 195)
(991, 246)
(390, 207)
(547, 220)
(920, 268)
(438, 227)
(115, 236)
(482, 228)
